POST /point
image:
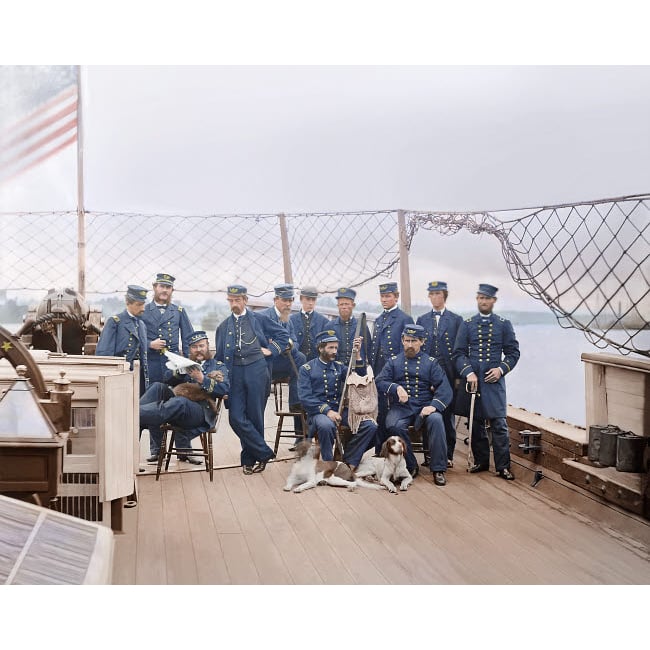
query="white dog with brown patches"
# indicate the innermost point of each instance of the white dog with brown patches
(390, 467)
(308, 472)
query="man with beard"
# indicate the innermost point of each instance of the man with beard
(320, 387)
(248, 342)
(486, 349)
(288, 363)
(441, 326)
(166, 324)
(160, 404)
(345, 326)
(416, 385)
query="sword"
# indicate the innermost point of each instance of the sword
(470, 455)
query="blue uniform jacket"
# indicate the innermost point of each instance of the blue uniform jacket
(442, 347)
(387, 337)
(417, 376)
(345, 333)
(318, 323)
(168, 326)
(211, 386)
(270, 335)
(481, 344)
(320, 385)
(121, 337)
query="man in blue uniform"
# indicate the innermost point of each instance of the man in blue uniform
(345, 326)
(248, 342)
(166, 324)
(441, 327)
(288, 363)
(386, 342)
(125, 335)
(307, 323)
(486, 349)
(320, 387)
(416, 385)
(159, 404)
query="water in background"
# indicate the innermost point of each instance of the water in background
(550, 378)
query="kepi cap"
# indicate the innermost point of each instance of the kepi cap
(283, 291)
(326, 336)
(309, 292)
(415, 330)
(487, 290)
(134, 292)
(197, 336)
(388, 287)
(237, 290)
(164, 278)
(344, 292)
(437, 286)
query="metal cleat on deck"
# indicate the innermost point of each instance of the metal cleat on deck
(529, 438)
(537, 478)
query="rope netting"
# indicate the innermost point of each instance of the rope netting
(588, 262)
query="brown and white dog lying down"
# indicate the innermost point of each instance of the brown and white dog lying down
(308, 471)
(391, 466)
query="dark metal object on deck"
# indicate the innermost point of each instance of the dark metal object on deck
(629, 452)
(531, 440)
(608, 440)
(537, 478)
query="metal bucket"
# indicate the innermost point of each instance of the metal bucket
(593, 450)
(629, 452)
(608, 439)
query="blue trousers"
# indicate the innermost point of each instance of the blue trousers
(246, 402)
(282, 367)
(398, 420)
(449, 420)
(361, 441)
(500, 443)
(158, 405)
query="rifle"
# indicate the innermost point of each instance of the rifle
(361, 322)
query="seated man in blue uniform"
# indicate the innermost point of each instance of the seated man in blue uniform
(188, 405)
(345, 326)
(125, 335)
(486, 349)
(416, 385)
(168, 326)
(248, 342)
(307, 323)
(441, 326)
(320, 387)
(386, 342)
(286, 365)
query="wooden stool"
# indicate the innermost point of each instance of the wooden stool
(281, 431)
(167, 451)
(420, 443)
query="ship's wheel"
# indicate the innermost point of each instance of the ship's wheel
(12, 349)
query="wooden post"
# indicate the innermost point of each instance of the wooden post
(404, 272)
(286, 253)
(81, 215)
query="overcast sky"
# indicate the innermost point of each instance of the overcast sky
(246, 139)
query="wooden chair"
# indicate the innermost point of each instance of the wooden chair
(282, 431)
(167, 451)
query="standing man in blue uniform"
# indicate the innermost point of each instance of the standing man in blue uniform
(159, 404)
(168, 326)
(125, 335)
(288, 363)
(248, 342)
(345, 326)
(486, 349)
(386, 343)
(441, 327)
(307, 323)
(320, 386)
(417, 386)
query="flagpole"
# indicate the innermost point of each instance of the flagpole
(81, 215)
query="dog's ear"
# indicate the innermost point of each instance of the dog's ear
(403, 444)
(384, 449)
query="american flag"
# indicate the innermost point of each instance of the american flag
(39, 116)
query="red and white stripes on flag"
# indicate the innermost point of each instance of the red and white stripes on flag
(39, 135)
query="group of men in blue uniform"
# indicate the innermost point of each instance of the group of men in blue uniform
(419, 369)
